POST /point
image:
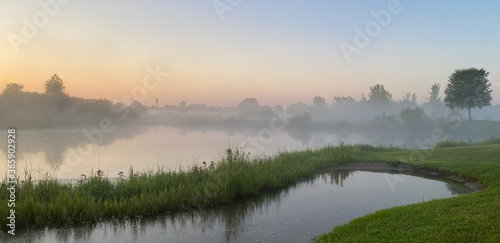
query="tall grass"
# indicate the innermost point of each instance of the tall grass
(462, 143)
(380, 148)
(52, 203)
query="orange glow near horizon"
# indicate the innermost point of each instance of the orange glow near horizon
(253, 54)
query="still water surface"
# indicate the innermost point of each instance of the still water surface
(68, 152)
(295, 214)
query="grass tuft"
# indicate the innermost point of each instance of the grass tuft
(50, 203)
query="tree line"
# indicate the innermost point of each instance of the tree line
(466, 89)
(55, 107)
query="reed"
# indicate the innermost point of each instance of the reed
(50, 203)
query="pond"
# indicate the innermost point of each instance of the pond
(295, 214)
(68, 152)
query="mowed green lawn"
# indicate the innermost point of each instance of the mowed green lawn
(471, 217)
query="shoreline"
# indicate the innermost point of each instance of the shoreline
(409, 169)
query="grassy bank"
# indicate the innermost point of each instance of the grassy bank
(51, 203)
(467, 218)
(471, 217)
(451, 143)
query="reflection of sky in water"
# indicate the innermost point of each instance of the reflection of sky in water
(147, 148)
(296, 214)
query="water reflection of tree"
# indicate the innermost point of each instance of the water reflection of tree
(54, 143)
(336, 177)
(233, 216)
(300, 135)
(55, 157)
(457, 189)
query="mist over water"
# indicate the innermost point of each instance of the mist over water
(149, 148)
(99, 98)
(165, 139)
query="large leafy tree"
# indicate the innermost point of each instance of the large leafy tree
(412, 116)
(468, 89)
(249, 104)
(379, 95)
(54, 86)
(13, 88)
(319, 101)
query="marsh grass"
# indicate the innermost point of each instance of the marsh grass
(462, 143)
(50, 203)
(380, 148)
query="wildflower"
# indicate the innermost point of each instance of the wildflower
(3, 184)
(136, 175)
(204, 163)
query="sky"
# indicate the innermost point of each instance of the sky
(220, 52)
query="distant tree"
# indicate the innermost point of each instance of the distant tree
(13, 88)
(300, 121)
(319, 101)
(248, 104)
(379, 95)
(198, 107)
(183, 106)
(434, 94)
(279, 108)
(344, 100)
(468, 89)
(412, 117)
(54, 86)
(137, 108)
(297, 108)
(363, 97)
(390, 121)
(410, 98)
